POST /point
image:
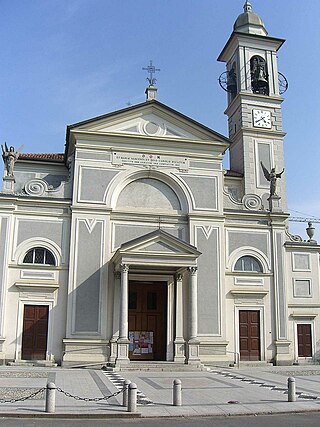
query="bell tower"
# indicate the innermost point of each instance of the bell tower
(254, 88)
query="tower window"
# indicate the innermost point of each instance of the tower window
(248, 264)
(232, 81)
(259, 75)
(40, 256)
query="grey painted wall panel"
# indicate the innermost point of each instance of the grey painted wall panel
(40, 229)
(93, 156)
(263, 156)
(94, 183)
(3, 239)
(88, 279)
(208, 284)
(124, 232)
(281, 288)
(301, 261)
(237, 239)
(204, 191)
(205, 165)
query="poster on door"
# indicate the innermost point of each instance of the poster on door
(141, 342)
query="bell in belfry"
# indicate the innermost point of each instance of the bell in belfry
(261, 79)
(259, 75)
(232, 81)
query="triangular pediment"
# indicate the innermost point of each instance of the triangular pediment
(146, 125)
(156, 250)
(159, 242)
(149, 119)
(159, 246)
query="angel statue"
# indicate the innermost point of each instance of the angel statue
(10, 156)
(272, 177)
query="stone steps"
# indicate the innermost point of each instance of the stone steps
(156, 367)
(243, 364)
(32, 363)
(252, 364)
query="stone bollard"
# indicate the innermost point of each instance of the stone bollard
(176, 393)
(125, 392)
(51, 398)
(132, 398)
(292, 389)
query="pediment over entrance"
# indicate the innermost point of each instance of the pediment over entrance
(159, 241)
(158, 248)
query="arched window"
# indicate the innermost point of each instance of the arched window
(248, 264)
(40, 256)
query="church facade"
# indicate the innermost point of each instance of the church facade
(135, 243)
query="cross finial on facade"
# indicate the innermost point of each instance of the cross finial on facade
(151, 70)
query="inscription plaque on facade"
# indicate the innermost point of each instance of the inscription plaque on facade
(150, 160)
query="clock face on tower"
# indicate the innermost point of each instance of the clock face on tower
(261, 118)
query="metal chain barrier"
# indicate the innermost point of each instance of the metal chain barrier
(21, 399)
(67, 394)
(89, 399)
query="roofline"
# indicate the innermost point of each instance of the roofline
(35, 159)
(258, 36)
(136, 107)
(104, 116)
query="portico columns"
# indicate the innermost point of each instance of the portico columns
(179, 343)
(193, 343)
(116, 317)
(123, 341)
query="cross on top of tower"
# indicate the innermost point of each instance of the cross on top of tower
(151, 70)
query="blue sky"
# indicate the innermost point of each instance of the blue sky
(64, 61)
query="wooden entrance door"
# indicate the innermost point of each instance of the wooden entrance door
(147, 320)
(304, 340)
(35, 332)
(249, 328)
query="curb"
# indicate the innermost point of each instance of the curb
(72, 415)
(131, 415)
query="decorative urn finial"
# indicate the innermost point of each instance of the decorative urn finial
(310, 231)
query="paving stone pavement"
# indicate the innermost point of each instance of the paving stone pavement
(213, 391)
(118, 381)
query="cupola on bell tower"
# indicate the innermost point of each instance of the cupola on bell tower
(254, 88)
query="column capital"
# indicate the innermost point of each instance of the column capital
(124, 268)
(117, 274)
(193, 270)
(179, 277)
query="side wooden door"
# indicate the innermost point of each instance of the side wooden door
(249, 332)
(304, 340)
(35, 332)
